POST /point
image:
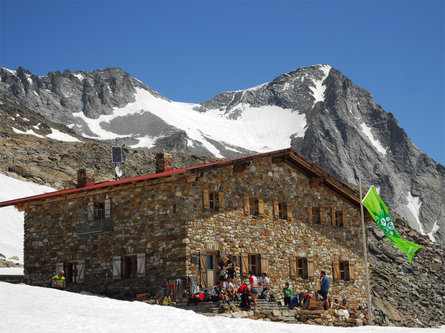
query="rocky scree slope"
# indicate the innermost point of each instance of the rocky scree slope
(315, 109)
(410, 295)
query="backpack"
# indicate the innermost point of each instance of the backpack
(245, 302)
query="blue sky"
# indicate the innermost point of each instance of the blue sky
(190, 51)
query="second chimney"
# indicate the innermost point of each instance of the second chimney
(85, 177)
(164, 162)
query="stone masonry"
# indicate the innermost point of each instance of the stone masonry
(169, 224)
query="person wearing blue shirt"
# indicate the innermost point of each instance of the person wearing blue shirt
(324, 283)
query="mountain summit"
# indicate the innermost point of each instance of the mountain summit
(316, 110)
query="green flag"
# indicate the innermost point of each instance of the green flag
(377, 208)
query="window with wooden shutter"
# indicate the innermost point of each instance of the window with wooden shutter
(344, 270)
(221, 200)
(276, 210)
(206, 199)
(107, 208)
(202, 262)
(293, 268)
(302, 268)
(117, 267)
(322, 216)
(244, 264)
(71, 272)
(339, 218)
(282, 210)
(140, 265)
(246, 206)
(264, 265)
(80, 270)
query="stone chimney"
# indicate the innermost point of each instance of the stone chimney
(164, 162)
(85, 177)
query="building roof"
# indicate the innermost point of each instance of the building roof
(316, 174)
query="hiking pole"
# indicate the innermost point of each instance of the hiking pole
(365, 254)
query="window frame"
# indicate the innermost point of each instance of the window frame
(316, 218)
(339, 218)
(254, 267)
(302, 268)
(71, 272)
(344, 270)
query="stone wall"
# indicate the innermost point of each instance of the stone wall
(143, 221)
(233, 231)
(165, 219)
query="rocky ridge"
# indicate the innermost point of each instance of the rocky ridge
(345, 131)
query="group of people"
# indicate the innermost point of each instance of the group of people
(302, 299)
(225, 289)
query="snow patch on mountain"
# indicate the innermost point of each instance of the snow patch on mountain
(413, 205)
(319, 89)
(434, 229)
(259, 129)
(60, 136)
(376, 143)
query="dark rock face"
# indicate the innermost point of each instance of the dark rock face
(409, 294)
(346, 132)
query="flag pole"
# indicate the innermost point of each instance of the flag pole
(365, 254)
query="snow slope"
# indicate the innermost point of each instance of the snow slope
(35, 309)
(259, 129)
(11, 220)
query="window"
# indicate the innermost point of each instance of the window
(316, 215)
(302, 268)
(213, 200)
(254, 263)
(130, 265)
(99, 210)
(344, 270)
(254, 206)
(282, 210)
(339, 218)
(71, 272)
(209, 261)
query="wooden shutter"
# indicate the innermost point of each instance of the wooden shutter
(344, 217)
(276, 210)
(221, 200)
(107, 207)
(80, 270)
(205, 198)
(264, 265)
(289, 211)
(260, 207)
(337, 270)
(322, 216)
(140, 265)
(309, 214)
(59, 267)
(352, 270)
(203, 261)
(310, 268)
(90, 211)
(244, 264)
(246, 206)
(293, 267)
(117, 267)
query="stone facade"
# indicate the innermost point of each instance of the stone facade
(180, 222)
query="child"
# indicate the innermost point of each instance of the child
(287, 291)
